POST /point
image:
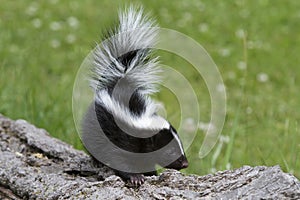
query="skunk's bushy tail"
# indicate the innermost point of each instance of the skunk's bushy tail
(126, 53)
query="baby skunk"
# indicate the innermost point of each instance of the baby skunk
(121, 128)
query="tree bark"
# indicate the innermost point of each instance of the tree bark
(34, 165)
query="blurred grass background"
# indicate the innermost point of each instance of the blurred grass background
(255, 44)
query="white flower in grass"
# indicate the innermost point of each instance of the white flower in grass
(231, 75)
(73, 22)
(240, 33)
(189, 125)
(249, 110)
(203, 27)
(71, 38)
(53, 1)
(206, 126)
(225, 52)
(262, 77)
(242, 65)
(250, 44)
(55, 43)
(55, 26)
(37, 23)
(224, 138)
(200, 5)
(255, 44)
(187, 16)
(32, 9)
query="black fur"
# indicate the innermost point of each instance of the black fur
(128, 142)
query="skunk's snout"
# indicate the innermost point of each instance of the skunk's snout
(185, 164)
(178, 164)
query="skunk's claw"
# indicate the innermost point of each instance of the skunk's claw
(137, 179)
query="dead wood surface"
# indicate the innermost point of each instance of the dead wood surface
(34, 165)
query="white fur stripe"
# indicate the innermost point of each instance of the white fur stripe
(146, 121)
(178, 141)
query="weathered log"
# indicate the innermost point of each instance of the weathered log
(34, 165)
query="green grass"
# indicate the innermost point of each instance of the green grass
(255, 44)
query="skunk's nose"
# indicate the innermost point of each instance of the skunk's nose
(185, 164)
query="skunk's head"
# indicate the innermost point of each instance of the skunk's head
(173, 149)
(182, 161)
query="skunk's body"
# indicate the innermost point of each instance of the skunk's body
(121, 128)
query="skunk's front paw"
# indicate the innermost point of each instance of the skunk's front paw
(137, 179)
(132, 178)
